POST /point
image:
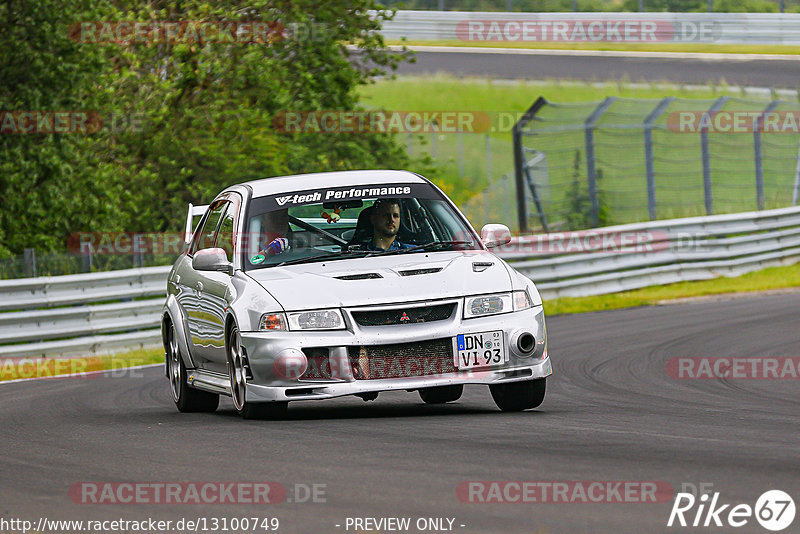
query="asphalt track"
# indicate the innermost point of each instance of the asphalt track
(611, 413)
(776, 73)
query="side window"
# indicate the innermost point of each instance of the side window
(225, 237)
(206, 235)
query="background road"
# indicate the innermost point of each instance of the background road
(611, 413)
(748, 72)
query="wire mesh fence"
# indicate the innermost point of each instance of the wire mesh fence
(626, 160)
(39, 263)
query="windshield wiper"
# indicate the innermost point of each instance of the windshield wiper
(426, 246)
(321, 257)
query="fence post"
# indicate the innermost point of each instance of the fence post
(488, 159)
(506, 196)
(796, 192)
(434, 144)
(591, 172)
(759, 158)
(137, 250)
(460, 153)
(718, 103)
(648, 154)
(86, 257)
(29, 258)
(519, 162)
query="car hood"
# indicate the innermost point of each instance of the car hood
(384, 280)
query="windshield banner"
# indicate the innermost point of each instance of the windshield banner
(344, 194)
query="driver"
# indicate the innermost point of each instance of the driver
(275, 225)
(385, 219)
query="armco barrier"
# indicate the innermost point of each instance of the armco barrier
(719, 28)
(84, 314)
(86, 320)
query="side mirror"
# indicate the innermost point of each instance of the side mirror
(212, 259)
(495, 235)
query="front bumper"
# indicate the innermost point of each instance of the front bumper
(267, 353)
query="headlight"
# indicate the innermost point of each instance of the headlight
(487, 305)
(272, 321)
(316, 320)
(483, 305)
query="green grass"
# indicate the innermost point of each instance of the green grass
(701, 48)
(763, 280)
(38, 367)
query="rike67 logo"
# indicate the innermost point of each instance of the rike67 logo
(774, 510)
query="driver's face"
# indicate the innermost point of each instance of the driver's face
(386, 219)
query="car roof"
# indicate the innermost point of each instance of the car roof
(302, 182)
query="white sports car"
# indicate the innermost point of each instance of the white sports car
(316, 286)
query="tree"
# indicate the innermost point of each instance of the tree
(196, 115)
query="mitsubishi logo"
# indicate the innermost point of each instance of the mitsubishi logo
(404, 318)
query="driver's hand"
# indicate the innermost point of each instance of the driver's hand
(276, 246)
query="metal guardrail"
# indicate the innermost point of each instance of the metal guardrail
(719, 28)
(657, 252)
(592, 262)
(65, 315)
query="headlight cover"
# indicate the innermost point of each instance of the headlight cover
(497, 303)
(316, 320)
(522, 301)
(272, 321)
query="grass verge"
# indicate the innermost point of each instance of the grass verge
(763, 280)
(696, 48)
(84, 367)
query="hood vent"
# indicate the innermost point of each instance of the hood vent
(414, 272)
(480, 266)
(360, 276)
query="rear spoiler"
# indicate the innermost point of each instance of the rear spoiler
(193, 212)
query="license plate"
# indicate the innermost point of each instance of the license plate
(484, 349)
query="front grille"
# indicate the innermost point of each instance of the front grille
(425, 314)
(402, 360)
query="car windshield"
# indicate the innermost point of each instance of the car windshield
(351, 222)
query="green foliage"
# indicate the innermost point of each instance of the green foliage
(203, 111)
(579, 210)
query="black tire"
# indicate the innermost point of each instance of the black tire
(518, 396)
(238, 378)
(186, 398)
(441, 394)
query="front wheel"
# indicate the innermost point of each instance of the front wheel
(441, 394)
(238, 377)
(518, 396)
(187, 399)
